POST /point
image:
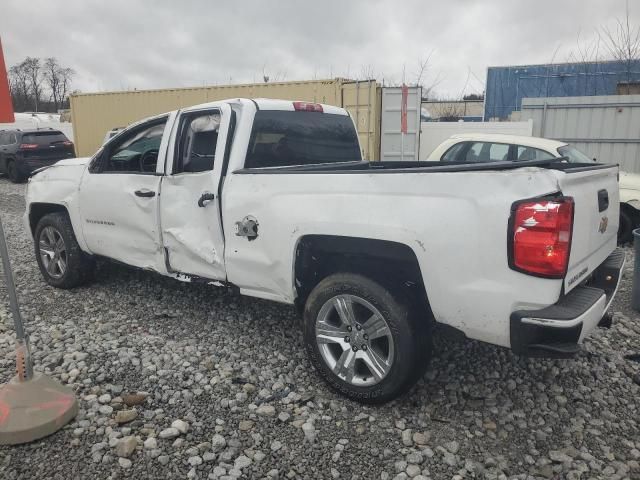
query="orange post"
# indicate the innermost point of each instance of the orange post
(6, 107)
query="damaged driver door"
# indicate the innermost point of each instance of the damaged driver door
(190, 217)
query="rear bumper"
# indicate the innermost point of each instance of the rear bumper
(557, 330)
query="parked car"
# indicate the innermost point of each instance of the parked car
(23, 151)
(272, 198)
(483, 147)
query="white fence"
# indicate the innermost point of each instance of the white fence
(434, 133)
(606, 127)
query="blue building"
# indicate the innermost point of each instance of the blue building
(507, 86)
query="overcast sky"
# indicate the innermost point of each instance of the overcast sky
(126, 44)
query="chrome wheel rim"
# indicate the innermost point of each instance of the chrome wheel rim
(53, 252)
(354, 340)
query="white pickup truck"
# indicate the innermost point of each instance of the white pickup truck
(272, 198)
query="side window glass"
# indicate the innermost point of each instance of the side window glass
(12, 139)
(451, 155)
(530, 153)
(197, 146)
(3, 138)
(137, 151)
(478, 152)
(487, 152)
(499, 152)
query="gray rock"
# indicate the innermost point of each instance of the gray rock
(412, 470)
(150, 443)
(126, 416)
(126, 446)
(559, 457)
(181, 426)
(309, 432)
(407, 439)
(169, 433)
(124, 462)
(266, 410)
(242, 462)
(218, 442)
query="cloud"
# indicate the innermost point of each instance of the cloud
(120, 44)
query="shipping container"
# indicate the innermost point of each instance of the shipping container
(94, 114)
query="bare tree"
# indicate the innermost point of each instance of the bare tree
(33, 69)
(367, 73)
(448, 111)
(428, 87)
(587, 56)
(66, 75)
(58, 79)
(19, 87)
(31, 80)
(623, 43)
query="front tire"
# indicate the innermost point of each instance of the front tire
(62, 263)
(363, 338)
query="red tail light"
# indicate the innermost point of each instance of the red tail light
(540, 236)
(28, 146)
(307, 107)
(67, 144)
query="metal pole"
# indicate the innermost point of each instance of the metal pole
(25, 369)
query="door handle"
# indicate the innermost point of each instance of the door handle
(145, 193)
(206, 197)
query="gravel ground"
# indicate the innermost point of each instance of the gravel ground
(226, 391)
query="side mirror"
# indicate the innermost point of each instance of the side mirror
(595, 159)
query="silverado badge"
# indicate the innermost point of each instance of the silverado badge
(604, 221)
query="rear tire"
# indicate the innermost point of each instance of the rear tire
(62, 263)
(381, 368)
(12, 172)
(625, 229)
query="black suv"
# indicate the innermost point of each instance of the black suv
(23, 151)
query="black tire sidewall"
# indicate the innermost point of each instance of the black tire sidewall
(405, 337)
(79, 265)
(625, 231)
(12, 172)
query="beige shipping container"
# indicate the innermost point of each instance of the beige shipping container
(94, 114)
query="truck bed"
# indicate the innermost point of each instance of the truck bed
(424, 167)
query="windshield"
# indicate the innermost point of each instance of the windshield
(573, 154)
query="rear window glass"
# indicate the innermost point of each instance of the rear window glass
(44, 138)
(573, 154)
(281, 138)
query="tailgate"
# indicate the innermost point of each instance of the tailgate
(596, 215)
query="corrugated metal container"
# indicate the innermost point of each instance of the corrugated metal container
(94, 114)
(507, 86)
(362, 101)
(604, 127)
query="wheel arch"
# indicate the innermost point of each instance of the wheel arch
(392, 264)
(37, 210)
